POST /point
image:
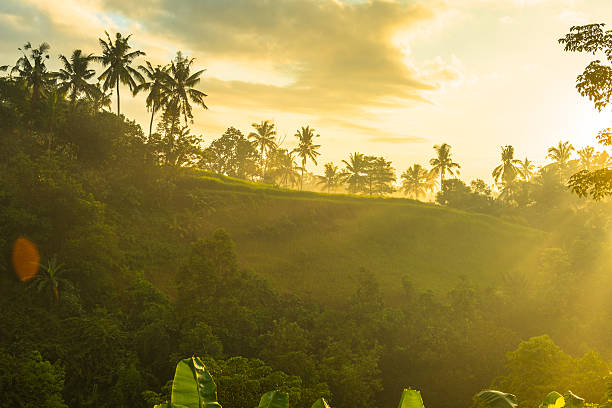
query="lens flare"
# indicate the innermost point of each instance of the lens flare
(26, 259)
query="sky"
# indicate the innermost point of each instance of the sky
(380, 77)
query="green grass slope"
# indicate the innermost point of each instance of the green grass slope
(315, 244)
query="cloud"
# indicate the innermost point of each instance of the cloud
(397, 139)
(330, 54)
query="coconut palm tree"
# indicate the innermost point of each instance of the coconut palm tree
(181, 84)
(285, 168)
(264, 137)
(354, 173)
(74, 75)
(443, 163)
(507, 170)
(587, 157)
(526, 168)
(118, 58)
(603, 159)
(306, 148)
(332, 178)
(154, 81)
(560, 154)
(32, 70)
(100, 99)
(416, 181)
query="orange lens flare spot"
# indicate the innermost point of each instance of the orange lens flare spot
(26, 259)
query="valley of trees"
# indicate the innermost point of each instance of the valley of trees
(94, 200)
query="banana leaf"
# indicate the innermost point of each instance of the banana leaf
(572, 400)
(497, 399)
(553, 400)
(193, 386)
(411, 399)
(274, 399)
(320, 403)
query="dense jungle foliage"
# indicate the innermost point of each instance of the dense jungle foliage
(145, 262)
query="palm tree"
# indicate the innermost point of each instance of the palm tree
(526, 169)
(332, 177)
(74, 75)
(306, 149)
(443, 163)
(100, 99)
(560, 154)
(181, 87)
(587, 157)
(32, 70)
(118, 57)
(264, 137)
(416, 180)
(285, 167)
(354, 174)
(603, 159)
(50, 278)
(507, 170)
(155, 82)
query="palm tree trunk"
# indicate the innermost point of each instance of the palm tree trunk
(264, 163)
(34, 100)
(151, 123)
(302, 178)
(118, 103)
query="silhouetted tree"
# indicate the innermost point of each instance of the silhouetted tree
(232, 154)
(526, 169)
(587, 157)
(560, 154)
(154, 81)
(507, 170)
(118, 58)
(283, 168)
(354, 174)
(74, 75)
(181, 83)
(443, 163)
(306, 149)
(379, 175)
(174, 144)
(332, 178)
(416, 181)
(31, 70)
(264, 138)
(100, 99)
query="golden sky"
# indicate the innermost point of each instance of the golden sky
(388, 78)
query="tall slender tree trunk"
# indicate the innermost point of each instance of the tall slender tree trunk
(151, 123)
(302, 178)
(264, 163)
(118, 103)
(35, 91)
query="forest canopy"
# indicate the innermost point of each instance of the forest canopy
(147, 242)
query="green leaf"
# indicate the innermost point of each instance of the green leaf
(274, 399)
(193, 386)
(497, 399)
(553, 400)
(320, 403)
(572, 400)
(411, 399)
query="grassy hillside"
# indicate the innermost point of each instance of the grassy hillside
(315, 244)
